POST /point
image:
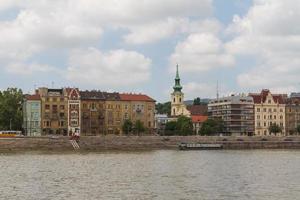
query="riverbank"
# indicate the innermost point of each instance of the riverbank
(102, 143)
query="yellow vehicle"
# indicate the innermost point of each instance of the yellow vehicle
(10, 133)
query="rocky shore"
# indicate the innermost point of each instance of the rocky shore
(102, 143)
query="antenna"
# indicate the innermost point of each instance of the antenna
(217, 90)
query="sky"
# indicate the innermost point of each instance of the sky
(134, 46)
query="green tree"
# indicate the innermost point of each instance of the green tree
(298, 129)
(163, 108)
(170, 128)
(139, 127)
(212, 127)
(197, 101)
(11, 116)
(184, 125)
(127, 126)
(274, 128)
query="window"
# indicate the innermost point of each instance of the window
(270, 110)
(61, 107)
(281, 117)
(62, 123)
(265, 124)
(47, 107)
(281, 110)
(269, 101)
(179, 100)
(258, 116)
(275, 110)
(62, 114)
(174, 100)
(126, 107)
(54, 108)
(258, 109)
(265, 110)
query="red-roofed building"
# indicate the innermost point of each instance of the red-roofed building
(198, 121)
(269, 109)
(138, 107)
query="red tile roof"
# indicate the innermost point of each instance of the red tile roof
(34, 97)
(261, 98)
(199, 118)
(197, 109)
(136, 97)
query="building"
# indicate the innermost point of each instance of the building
(138, 107)
(236, 113)
(197, 122)
(92, 113)
(268, 109)
(113, 115)
(32, 115)
(178, 107)
(74, 110)
(54, 111)
(292, 114)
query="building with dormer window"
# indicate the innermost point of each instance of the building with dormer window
(269, 109)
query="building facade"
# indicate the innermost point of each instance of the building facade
(74, 110)
(237, 113)
(32, 115)
(178, 107)
(269, 109)
(292, 115)
(54, 111)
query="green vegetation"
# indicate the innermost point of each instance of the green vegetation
(11, 116)
(212, 127)
(127, 126)
(274, 128)
(183, 126)
(197, 101)
(163, 108)
(139, 127)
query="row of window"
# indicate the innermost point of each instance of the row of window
(270, 117)
(268, 124)
(269, 110)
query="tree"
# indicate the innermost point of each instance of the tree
(197, 101)
(139, 127)
(298, 129)
(163, 108)
(11, 116)
(127, 126)
(274, 128)
(212, 127)
(184, 125)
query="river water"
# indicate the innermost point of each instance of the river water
(162, 174)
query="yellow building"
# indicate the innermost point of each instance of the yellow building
(138, 107)
(268, 109)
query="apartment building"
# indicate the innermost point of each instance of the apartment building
(236, 112)
(269, 109)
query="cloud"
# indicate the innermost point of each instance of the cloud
(148, 33)
(29, 69)
(270, 34)
(195, 89)
(201, 52)
(113, 68)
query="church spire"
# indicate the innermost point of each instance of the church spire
(177, 87)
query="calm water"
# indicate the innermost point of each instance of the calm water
(152, 175)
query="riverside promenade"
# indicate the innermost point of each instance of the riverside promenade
(110, 142)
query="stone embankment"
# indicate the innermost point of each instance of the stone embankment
(101, 143)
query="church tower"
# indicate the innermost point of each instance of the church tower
(177, 99)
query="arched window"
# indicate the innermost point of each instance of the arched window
(174, 111)
(174, 100)
(179, 100)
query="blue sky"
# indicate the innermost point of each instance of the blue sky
(133, 46)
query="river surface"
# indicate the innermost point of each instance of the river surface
(162, 174)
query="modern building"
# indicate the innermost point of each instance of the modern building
(32, 115)
(236, 112)
(178, 107)
(292, 115)
(269, 109)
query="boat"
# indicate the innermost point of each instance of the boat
(199, 146)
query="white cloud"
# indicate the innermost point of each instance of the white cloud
(114, 68)
(29, 69)
(201, 52)
(152, 32)
(270, 33)
(195, 89)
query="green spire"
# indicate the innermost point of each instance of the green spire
(177, 87)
